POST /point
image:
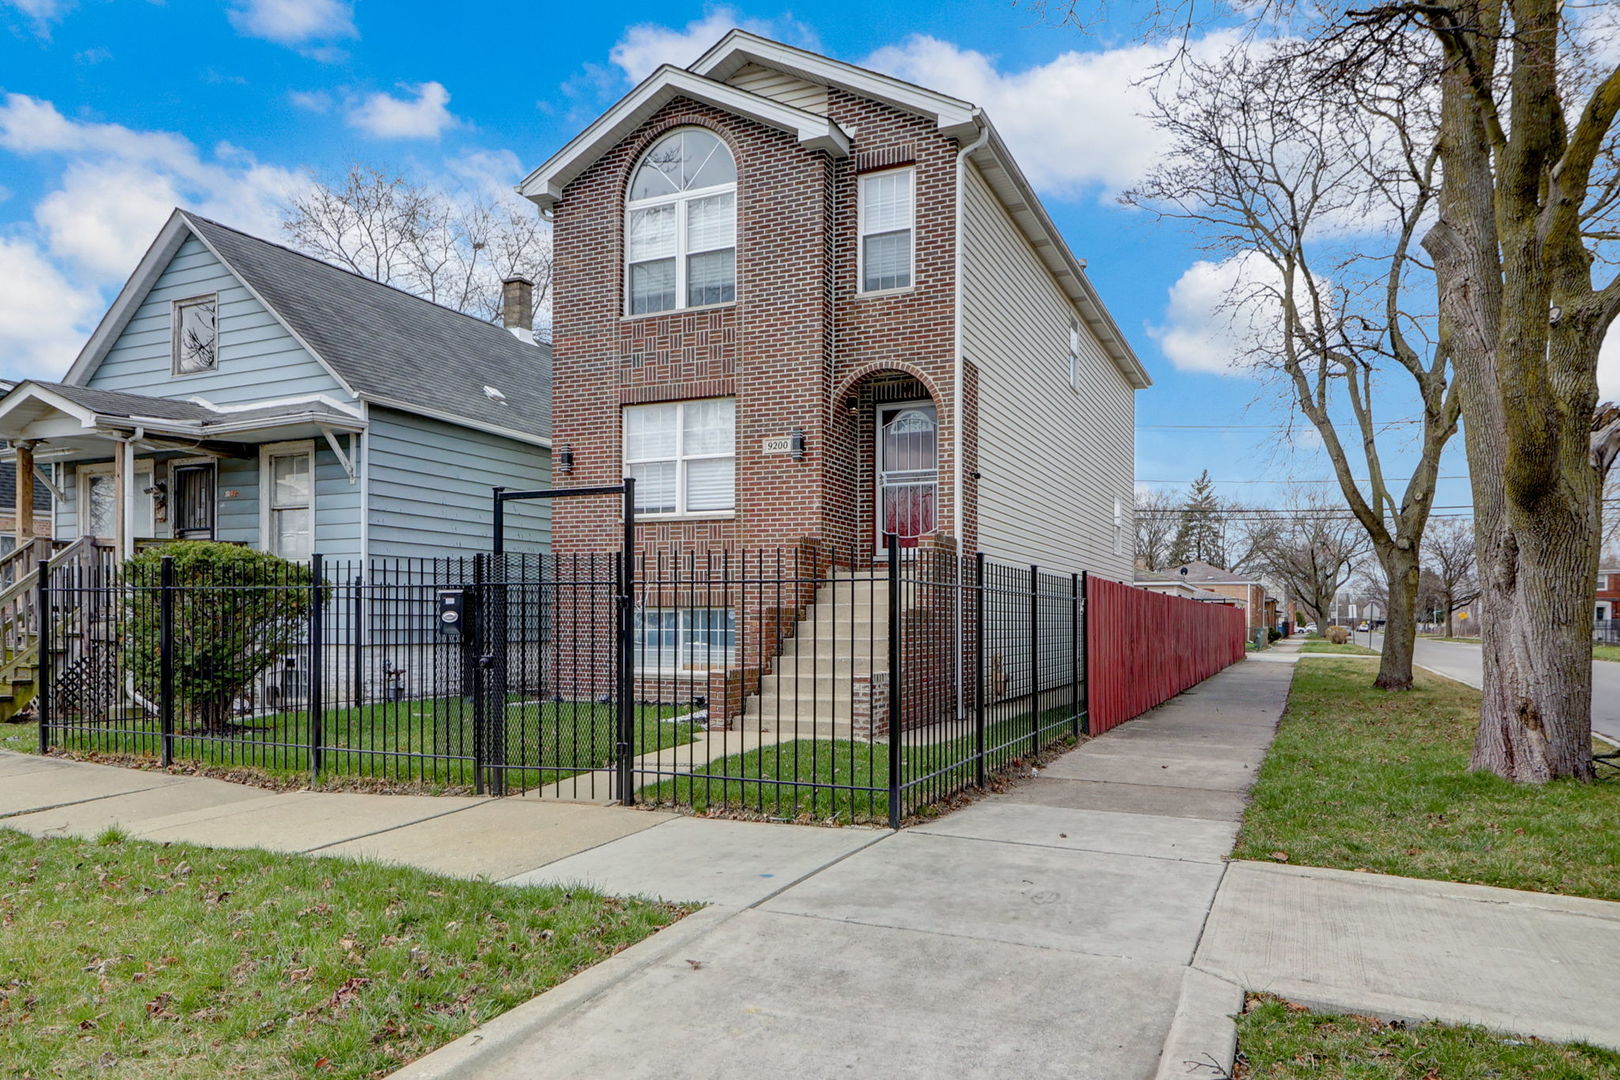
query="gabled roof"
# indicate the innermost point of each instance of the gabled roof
(97, 409)
(706, 79)
(380, 343)
(1201, 573)
(545, 184)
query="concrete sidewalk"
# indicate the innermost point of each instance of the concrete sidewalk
(1084, 924)
(1049, 931)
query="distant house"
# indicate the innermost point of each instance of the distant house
(1250, 593)
(239, 391)
(1608, 594)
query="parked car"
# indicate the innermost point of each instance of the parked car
(1310, 628)
(1364, 627)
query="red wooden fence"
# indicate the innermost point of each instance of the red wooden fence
(1143, 648)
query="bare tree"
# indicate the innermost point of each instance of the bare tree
(1156, 519)
(1315, 553)
(1449, 553)
(1313, 191)
(452, 250)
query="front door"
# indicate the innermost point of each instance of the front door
(907, 471)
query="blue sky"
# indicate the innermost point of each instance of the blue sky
(113, 111)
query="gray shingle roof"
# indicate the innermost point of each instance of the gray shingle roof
(113, 403)
(386, 343)
(1202, 572)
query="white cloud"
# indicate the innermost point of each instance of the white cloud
(423, 116)
(294, 22)
(1204, 331)
(1608, 368)
(647, 45)
(44, 316)
(312, 100)
(1073, 123)
(116, 187)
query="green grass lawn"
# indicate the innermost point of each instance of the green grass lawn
(847, 780)
(545, 741)
(1360, 779)
(145, 961)
(1346, 649)
(1281, 1041)
(1606, 652)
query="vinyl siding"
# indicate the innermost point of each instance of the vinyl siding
(780, 86)
(1052, 458)
(430, 487)
(258, 359)
(337, 504)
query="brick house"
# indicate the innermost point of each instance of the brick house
(806, 306)
(1249, 593)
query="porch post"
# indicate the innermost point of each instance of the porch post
(25, 492)
(124, 492)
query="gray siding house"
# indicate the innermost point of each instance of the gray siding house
(242, 392)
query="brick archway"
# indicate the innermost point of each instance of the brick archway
(859, 401)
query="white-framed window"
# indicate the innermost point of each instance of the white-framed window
(685, 639)
(683, 456)
(887, 215)
(681, 225)
(196, 335)
(287, 499)
(98, 501)
(1074, 354)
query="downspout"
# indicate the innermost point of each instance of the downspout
(957, 396)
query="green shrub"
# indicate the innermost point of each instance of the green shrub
(1274, 634)
(237, 613)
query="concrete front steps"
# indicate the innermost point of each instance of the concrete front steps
(825, 672)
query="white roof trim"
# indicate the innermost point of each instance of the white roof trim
(35, 392)
(739, 48)
(545, 185)
(130, 297)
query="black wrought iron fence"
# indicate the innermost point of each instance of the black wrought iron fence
(796, 683)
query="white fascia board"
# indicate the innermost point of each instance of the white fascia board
(460, 421)
(739, 48)
(1010, 185)
(545, 185)
(153, 263)
(332, 403)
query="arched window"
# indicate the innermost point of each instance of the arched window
(682, 224)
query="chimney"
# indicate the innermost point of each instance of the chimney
(517, 305)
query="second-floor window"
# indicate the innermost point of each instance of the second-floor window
(196, 339)
(683, 456)
(886, 218)
(681, 227)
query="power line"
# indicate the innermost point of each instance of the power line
(1359, 480)
(1253, 427)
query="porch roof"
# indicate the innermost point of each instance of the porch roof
(77, 422)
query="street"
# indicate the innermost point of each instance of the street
(1462, 662)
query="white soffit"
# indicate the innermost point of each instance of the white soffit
(545, 185)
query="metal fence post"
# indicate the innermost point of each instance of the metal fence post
(355, 630)
(473, 670)
(1074, 652)
(1085, 652)
(43, 697)
(166, 659)
(625, 631)
(979, 770)
(896, 759)
(317, 666)
(1034, 659)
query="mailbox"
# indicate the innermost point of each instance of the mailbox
(455, 614)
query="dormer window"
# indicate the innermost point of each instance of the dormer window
(681, 227)
(196, 336)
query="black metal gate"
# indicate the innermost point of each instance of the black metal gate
(550, 656)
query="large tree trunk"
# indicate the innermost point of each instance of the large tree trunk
(1528, 396)
(1400, 625)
